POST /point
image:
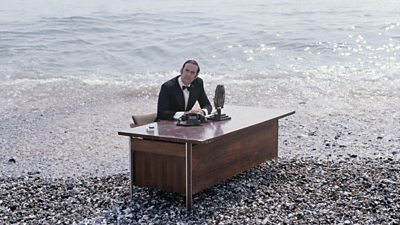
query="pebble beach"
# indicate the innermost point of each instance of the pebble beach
(297, 191)
(67, 165)
(73, 73)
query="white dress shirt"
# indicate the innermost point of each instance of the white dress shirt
(186, 94)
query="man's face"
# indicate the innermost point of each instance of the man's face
(189, 73)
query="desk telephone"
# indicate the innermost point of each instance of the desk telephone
(191, 119)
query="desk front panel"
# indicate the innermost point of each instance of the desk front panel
(159, 164)
(233, 154)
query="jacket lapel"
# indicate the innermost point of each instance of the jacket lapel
(179, 96)
(192, 97)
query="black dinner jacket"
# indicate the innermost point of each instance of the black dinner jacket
(171, 100)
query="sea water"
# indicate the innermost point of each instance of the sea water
(47, 39)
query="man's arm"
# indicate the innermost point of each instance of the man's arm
(164, 104)
(203, 99)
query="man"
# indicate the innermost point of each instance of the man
(180, 94)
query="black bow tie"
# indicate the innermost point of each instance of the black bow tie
(186, 87)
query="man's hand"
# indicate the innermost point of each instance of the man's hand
(198, 111)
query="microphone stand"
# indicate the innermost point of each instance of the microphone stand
(219, 116)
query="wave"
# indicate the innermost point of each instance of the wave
(242, 39)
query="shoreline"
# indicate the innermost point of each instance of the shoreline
(74, 131)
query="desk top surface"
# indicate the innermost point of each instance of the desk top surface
(242, 117)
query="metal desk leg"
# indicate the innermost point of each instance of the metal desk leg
(131, 166)
(277, 141)
(188, 152)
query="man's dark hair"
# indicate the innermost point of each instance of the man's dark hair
(191, 61)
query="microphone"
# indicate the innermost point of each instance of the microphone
(219, 98)
(219, 101)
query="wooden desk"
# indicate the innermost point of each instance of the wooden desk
(188, 160)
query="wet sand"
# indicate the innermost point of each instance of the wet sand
(69, 128)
